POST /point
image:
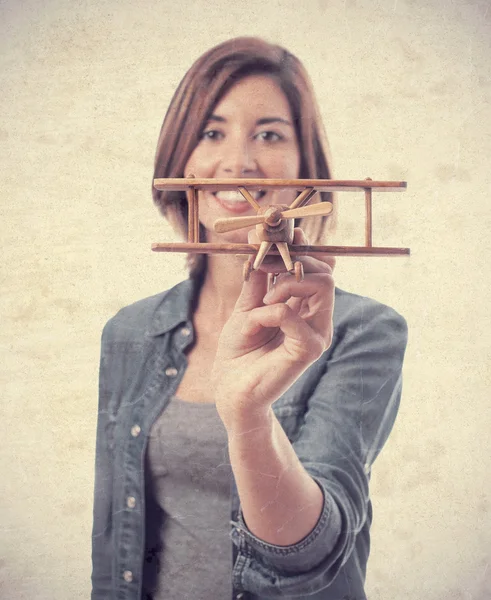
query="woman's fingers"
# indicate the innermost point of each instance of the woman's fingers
(300, 341)
(313, 300)
(254, 290)
(316, 284)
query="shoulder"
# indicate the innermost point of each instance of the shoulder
(355, 313)
(350, 307)
(133, 318)
(153, 314)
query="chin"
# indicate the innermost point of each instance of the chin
(233, 237)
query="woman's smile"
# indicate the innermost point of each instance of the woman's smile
(235, 201)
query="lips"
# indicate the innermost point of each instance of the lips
(235, 202)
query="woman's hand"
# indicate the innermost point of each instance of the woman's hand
(272, 338)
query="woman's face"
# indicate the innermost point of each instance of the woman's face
(250, 134)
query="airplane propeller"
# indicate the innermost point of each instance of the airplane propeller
(234, 223)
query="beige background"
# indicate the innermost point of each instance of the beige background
(404, 87)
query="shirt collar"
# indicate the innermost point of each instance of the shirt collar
(175, 307)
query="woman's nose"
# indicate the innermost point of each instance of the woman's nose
(237, 160)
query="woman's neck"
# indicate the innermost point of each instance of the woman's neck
(220, 289)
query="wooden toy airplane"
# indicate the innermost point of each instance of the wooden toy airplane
(275, 223)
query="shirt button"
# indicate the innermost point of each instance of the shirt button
(131, 502)
(171, 371)
(135, 430)
(128, 576)
(186, 331)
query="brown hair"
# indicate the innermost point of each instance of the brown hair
(203, 86)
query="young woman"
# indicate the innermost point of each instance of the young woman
(237, 427)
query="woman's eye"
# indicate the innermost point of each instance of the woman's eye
(210, 134)
(269, 136)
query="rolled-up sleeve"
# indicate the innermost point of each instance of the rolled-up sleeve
(348, 418)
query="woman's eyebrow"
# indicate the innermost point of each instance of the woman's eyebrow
(268, 120)
(263, 121)
(216, 118)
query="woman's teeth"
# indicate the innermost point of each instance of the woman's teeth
(231, 196)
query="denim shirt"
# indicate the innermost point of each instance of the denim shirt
(337, 415)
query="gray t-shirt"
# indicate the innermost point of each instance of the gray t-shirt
(191, 476)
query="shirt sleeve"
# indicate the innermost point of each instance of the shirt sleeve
(348, 419)
(103, 492)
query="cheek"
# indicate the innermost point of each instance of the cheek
(296, 166)
(291, 165)
(200, 163)
(192, 165)
(286, 162)
(189, 168)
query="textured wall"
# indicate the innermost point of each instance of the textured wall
(405, 90)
